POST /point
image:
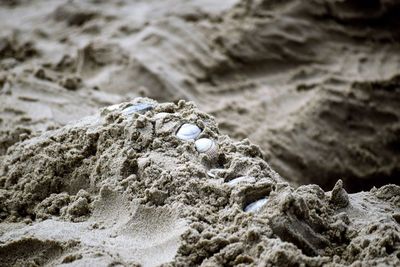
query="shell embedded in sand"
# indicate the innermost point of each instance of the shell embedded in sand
(214, 172)
(139, 107)
(241, 179)
(255, 206)
(188, 132)
(207, 146)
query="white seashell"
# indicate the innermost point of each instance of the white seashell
(255, 206)
(188, 132)
(211, 174)
(241, 179)
(207, 146)
(139, 108)
(214, 172)
(204, 144)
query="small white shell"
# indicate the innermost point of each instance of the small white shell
(255, 206)
(214, 172)
(241, 179)
(207, 146)
(188, 132)
(204, 144)
(137, 108)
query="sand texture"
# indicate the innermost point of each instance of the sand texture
(123, 189)
(302, 99)
(302, 79)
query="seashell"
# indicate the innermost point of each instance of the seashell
(188, 132)
(255, 206)
(214, 172)
(207, 146)
(139, 108)
(241, 179)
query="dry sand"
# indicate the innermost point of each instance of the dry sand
(314, 84)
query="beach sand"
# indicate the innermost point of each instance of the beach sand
(122, 189)
(301, 97)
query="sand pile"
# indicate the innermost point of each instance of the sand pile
(310, 88)
(302, 79)
(120, 188)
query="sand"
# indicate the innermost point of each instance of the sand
(116, 189)
(298, 78)
(293, 92)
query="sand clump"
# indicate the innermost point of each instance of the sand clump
(123, 189)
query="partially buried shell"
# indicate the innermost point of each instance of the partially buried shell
(207, 146)
(188, 132)
(215, 172)
(255, 206)
(241, 179)
(137, 108)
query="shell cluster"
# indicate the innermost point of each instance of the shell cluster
(190, 131)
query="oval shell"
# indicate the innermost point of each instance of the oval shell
(255, 206)
(207, 146)
(188, 132)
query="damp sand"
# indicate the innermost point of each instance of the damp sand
(316, 97)
(117, 189)
(313, 83)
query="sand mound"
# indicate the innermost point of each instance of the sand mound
(120, 188)
(267, 71)
(314, 83)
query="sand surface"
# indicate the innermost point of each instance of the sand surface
(293, 93)
(123, 189)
